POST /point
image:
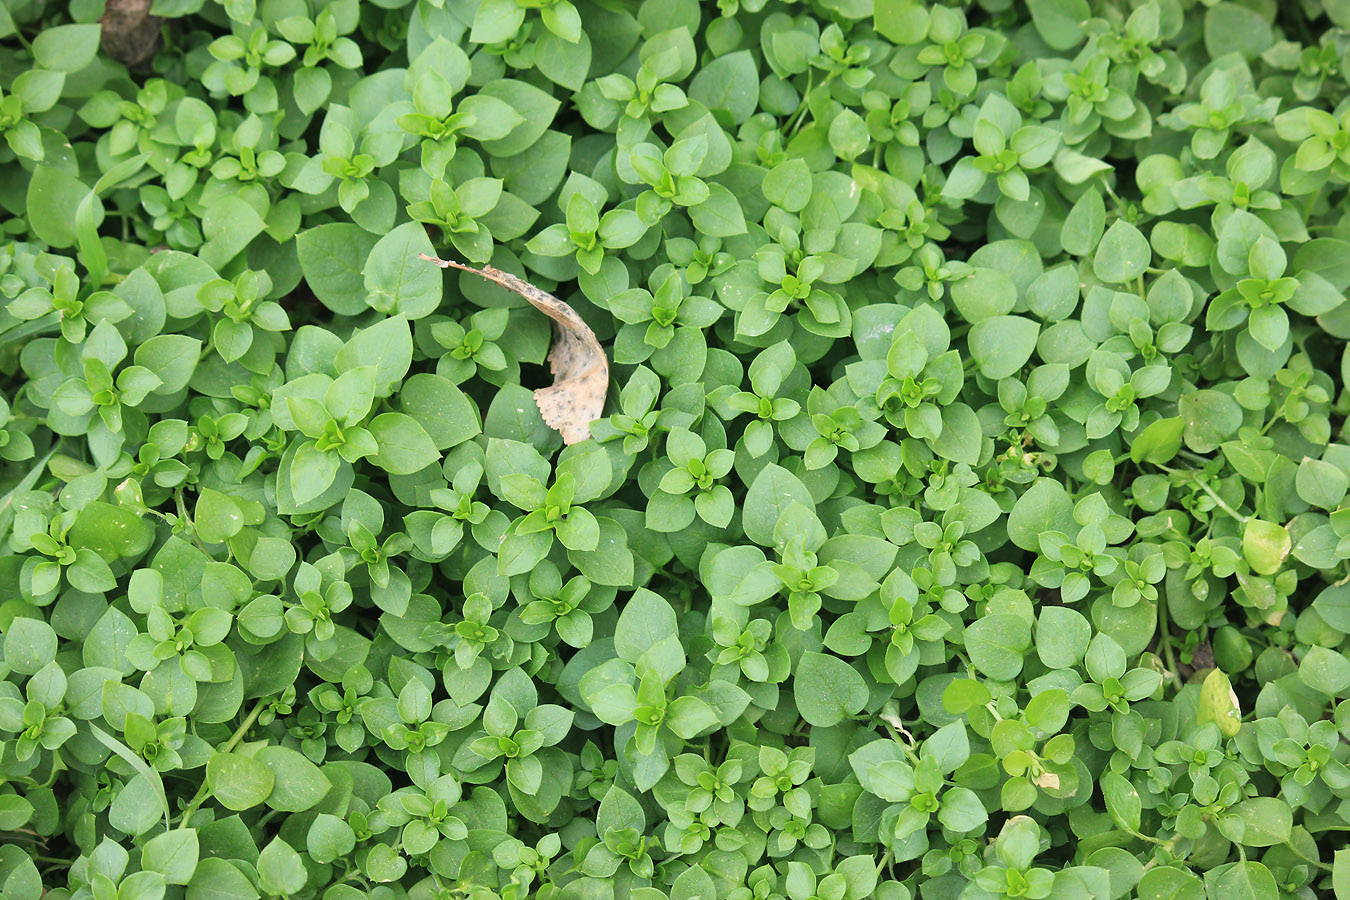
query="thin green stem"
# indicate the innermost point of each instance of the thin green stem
(1279, 414)
(1165, 638)
(1218, 501)
(1168, 845)
(1311, 204)
(1194, 457)
(226, 748)
(183, 515)
(802, 109)
(1320, 865)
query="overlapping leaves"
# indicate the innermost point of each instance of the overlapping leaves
(966, 520)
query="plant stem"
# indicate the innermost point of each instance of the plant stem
(183, 515)
(1320, 865)
(1312, 202)
(1165, 638)
(226, 748)
(1169, 845)
(1219, 502)
(802, 107)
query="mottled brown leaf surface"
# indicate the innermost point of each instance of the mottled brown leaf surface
(580, 370)
(130, 33)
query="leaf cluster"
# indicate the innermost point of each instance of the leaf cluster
(968, 519)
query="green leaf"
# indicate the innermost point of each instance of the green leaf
(147, 775)
(1267, 821)
(1211, 417)
(405, 446)
(1044, 507)
(772, 492)
(173, 854)
(788, 184)
(52, 198)
(827, 689)
(996, 644)
(1003, 344)
(332, 258)
(1233, 28)
(237, 781)
(1333, 605)
(1170, 883)
(396, 280)
(984, 294)
(729, 83)
(535, 107)
(1219, 704)
(281, 872)
(1060, 22)
(1325, 670)
(173, 357)
(1122, 801)
(496, 21)
(645, 620)
(29, 645)
(1062, 636)
(1246, 880)
(619, 810)
(298, 784)
(217, 879)
(1321, 483)
(329, 838)
(1122, 255)
(66, 48)
(230, 226)
(441, 409)
(387, 345)
(720, 215)
(1159, 442)
(218, 517)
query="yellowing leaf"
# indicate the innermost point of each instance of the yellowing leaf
(1265, 546)
(1219, 704)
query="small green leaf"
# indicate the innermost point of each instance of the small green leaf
(827, 689)
(239, 782)
(1122, 255)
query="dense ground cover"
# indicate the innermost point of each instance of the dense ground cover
(965, 521)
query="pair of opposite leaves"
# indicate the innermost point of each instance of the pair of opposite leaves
(580, 370)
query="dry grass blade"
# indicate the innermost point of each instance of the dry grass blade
(580, 370)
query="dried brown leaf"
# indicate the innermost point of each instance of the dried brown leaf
(580, 370)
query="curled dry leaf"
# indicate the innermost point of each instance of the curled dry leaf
(1047, 780)
(130, 33)
(580, 370)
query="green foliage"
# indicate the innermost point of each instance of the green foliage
(967, 519)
